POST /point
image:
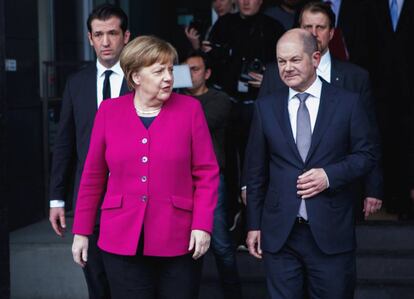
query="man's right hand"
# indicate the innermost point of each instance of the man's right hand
(253, 243)
(57, 220)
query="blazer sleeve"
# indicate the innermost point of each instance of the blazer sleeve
(205, 172)
(361, 158)
(94, 178)
(64, 147)
(374, 179)
(256, 171)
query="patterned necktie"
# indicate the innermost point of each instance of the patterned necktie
(394, 13)
(303, 138)
(106, 91)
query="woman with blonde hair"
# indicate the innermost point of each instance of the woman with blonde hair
(151, 155)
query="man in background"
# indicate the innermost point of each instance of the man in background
(108, 34)
(216, 106)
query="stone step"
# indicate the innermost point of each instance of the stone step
(364, 290)
(385, 235)
(42, 267)
(385, 289)
(385, 265)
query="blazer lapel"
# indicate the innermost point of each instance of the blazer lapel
(326, 111)
(90, 100)
(124, 88)
(337, 78)
(280, 107)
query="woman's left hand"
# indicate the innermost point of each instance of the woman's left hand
(200, 242)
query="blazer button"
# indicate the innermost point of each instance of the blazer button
(144, 198)
(144, 140)
(144, 159)
(143, 179)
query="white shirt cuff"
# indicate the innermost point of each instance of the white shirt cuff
(243, 188)
(57, 204)
(327, 180)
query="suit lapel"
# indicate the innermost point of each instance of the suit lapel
(280, 107)
(124, 88)
(90, 100)
(326, 111)
(337, 77)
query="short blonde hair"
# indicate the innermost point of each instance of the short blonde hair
(144, 51)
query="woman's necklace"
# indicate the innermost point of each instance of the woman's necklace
(139, 111)
(151, 112)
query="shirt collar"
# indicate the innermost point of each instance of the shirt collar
(116, 68)
(325, 62)
(314, 90)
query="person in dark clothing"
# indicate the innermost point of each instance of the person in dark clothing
(239, 46)
(84, 92)
(216, 106)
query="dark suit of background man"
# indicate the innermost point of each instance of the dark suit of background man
(304, 156)
(389, 60)
(108, 34)
(318, 19)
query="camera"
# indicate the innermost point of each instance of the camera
(255, 65)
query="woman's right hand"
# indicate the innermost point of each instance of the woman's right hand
(80, 249)
(199, 242)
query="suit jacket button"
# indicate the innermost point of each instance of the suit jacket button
(143, 179)
(144, 159)
(144, 140)
(144, 198)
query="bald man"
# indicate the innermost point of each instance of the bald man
(309, 144)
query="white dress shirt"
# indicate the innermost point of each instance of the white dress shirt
(324, 67)
(116, 80)
(312, 103)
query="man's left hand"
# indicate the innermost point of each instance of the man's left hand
(312, 182)
(371, 206)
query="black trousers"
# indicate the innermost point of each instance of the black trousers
(94, 271)
(148, 277)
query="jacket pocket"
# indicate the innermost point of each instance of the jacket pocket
(183, 203)
(112, 202)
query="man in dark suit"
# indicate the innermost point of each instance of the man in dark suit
(389, 61)
(318, 18)
(309, 143)
(84, 91)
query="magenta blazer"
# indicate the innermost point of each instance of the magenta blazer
(163, 180)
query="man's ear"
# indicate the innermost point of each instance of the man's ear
(90, 39)
(316, 58)
(127, 35)
(208, 74)
(331, 33)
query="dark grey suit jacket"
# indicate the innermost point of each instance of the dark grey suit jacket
(79, 106)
